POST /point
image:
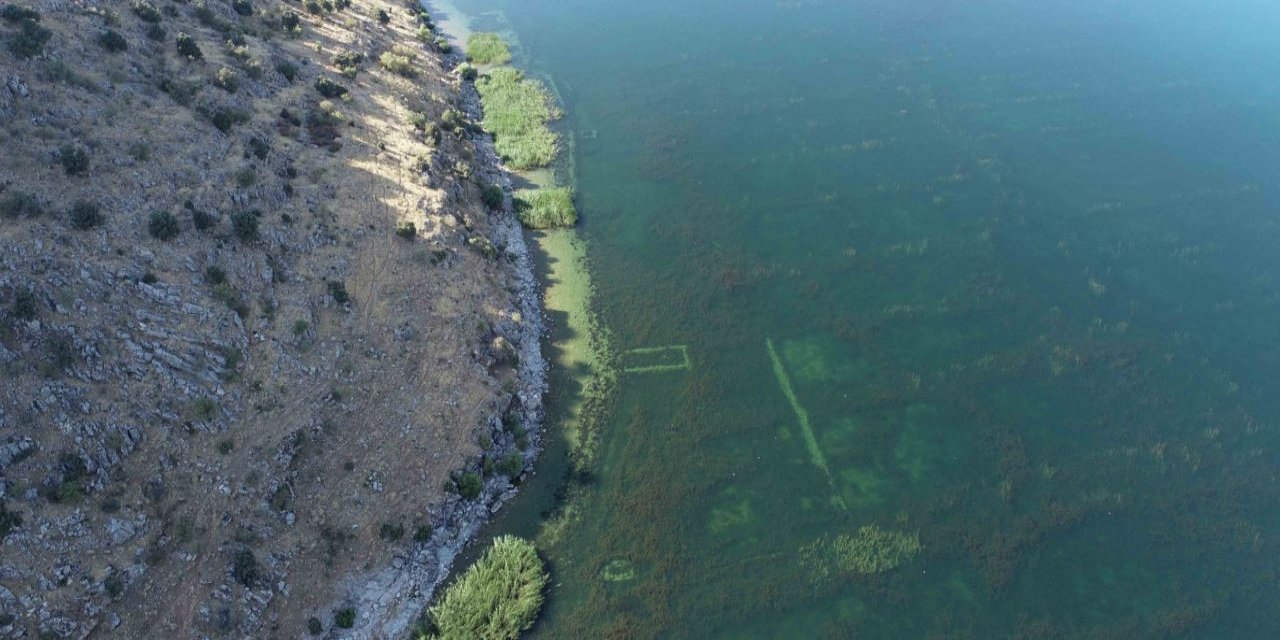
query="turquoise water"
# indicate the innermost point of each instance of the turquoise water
(995, 277)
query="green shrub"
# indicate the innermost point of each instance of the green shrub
(338, 290)
(215, 275)
(202, 220)
(14, 13)
(391, 532)
(498, 598)
(245, 225)
(156, 33)
(344, 618)
(470, 485)
(287, 69)
(383, 16)
(329, 88)
(25, 306)
(492, 196)
(182, 91)
(226, 79)
(443, 45)
(419, 120)
(85, 215)
(291, 22)
(314, 627)
(223, 118)
(20, 204)
(9, 520)
(146, 11)
(242, 7)
(422, 533)
(467, 72)
(452, 119)
(511, 464)
(424, 34)
(259, 148)
(244, 567)
(516, 111)
(187, 47)
(487, 48)
(112, 41)
(247, 176)
(74, 159)
(399, 61)
(348, 62)
(546, 208)
(30, 39)
(313, 7)
(163, 225)
(300, 328)
(407, 230)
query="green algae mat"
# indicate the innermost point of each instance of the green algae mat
(912, 319)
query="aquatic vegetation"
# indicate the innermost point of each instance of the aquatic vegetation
(517, 111)
(496, 599)
(618, 570)
(656, 359)
(871, 550)
(487, 48)
(546, 208)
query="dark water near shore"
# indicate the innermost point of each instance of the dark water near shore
(999, 275)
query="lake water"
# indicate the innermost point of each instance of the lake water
(995, 278)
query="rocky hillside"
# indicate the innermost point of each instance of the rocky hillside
(261, 306)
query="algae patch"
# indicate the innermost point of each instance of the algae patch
(871, 550)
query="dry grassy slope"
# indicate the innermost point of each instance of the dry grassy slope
(180, 433)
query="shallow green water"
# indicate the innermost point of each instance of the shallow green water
(999, 275)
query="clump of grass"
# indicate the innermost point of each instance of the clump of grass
(546, 208)
(498, 597)
(487, 48)
(516, 111)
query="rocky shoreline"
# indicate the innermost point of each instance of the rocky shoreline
(392, 600)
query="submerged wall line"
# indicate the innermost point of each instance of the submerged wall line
(810, 440)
